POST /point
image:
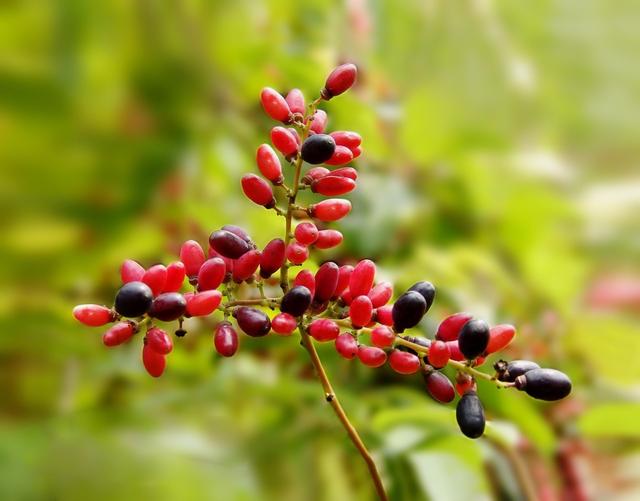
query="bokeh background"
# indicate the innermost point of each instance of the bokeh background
(501, 150)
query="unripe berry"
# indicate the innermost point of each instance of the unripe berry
(315, 173)
(331, 186)
(295, 100)
(253, 322)
(346, 346)
(228, 265)
(296, 301)
(176, 272)
(509, 372)
(168, 306)
(499, 337)
(258, 190)
(306, 233)
(346, 297)
(297, 253)
(225, 339)
(360, 311)
(408, 310)
(349, 172)
(473, 338)
(449, 328)
(94, 315)
(133, 299)
(544, 384)
(439, 354)
(211, 274)
(339, 80)
(362, 278)
(381, 294)
(384, 315)
(454, 349)
(155, 277)
(344, 275)
(246, 265)
(438, 385)
(153, 361)
(382, 336)
(269, 164)
(464, 384)
(371, 356)
(427, 290)
(317, 149)
(342, 155)
(192, 256)
(159, 341)
(131, 271)
(328, 239)
(203, 303)
(228, 244)
(323, 329)
(284, 324)
(306, 279)
(319, 122)
(331, 209)
(326, 280)
(470, 415)
(275, 105)
(119, 333)
(285, 141)
(356, 152)
(272, 257)
(403, 362)
(346, 138)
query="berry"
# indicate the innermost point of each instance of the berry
(285, 141)
(119, 333)
(499, 337)
(544, 384)
(315, 173)
(362, 278)
(470, 415)
(346, 346)
(297, 253)
(272, 257)
(464, 384)
(356, 152)
(439, 354)
(346, 138)
(342, 155)
(269, 164)
(306, 278)
(155, 277)
(323, 329)
(328, 239)
(203, 303)
(94, 315)
(349, 172)
(258, 190)
(275, 105)
(241, 232)
(153, 361)
(131, 271)
(176, 272)
(319, 122)
(168, 306)
(159, 341)
(438, 385)
(509, 372)
(384, 315)
(296, 301)
(284, 324)
(360, 311)
(331, 209)
(449, 328)
(331, 186)
(371, 356)
(381, 294)
(211, 274)
(225, 339)
(246, 265)
(326, 280)
(427, 290)
(253, 322)
(192, 256)
(306, 233)
(408, 310)
(346, 297)
(295, 100)
(317, 149)
(133, 299)
(403, 362)
(473, 338)
(382, 336)
(339, 80)
(228, 244)
(454, 349)
(344, 275)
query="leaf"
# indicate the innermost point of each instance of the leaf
(618, 420)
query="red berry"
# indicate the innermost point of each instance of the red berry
(371, 356)
(192, 256)
(454, 349)
(333, 185)
(323, 329)
(362, 278)
(225, 339)
(500, 336)
(439, 354)
(176, 272)
(347, 346)
(439, 386)
(131, 271)
(344, 275)
(384, 315)
(341, 155)
(319, 122)
(159, 341)
(284, 324)
(228, 244)
(285, 141)
(315, 173)
(153, 361)
(269, 164)
(155, 277)
(349, 172)
(360, 311)
(275, 105)
(356, 152)
(339, 80)
(246, 265)
(381, 294)
(328, 239)
(306, 279)
(346, 297)
(272, 257)
(297, 253)
(449, 328)
(306, 233)
(404, 362)
(382, 336)
(295, 100)
(464, 383)
(203, 303)
(211, 274)
(258, 190)
(326, 280)
(346, 138)
(252, 321)
(168, 306)
(119, 333)
(93, 315)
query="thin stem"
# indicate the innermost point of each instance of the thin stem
(267, 301)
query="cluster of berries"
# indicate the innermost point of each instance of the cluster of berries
(340, 304)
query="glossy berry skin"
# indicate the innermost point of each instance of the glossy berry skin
(319, 122)
(275, 105)
(155, 277)
(326, 281)
(360, 311)
(225, 339)
(371, 356)
(119, 333)
(356, 152)
(348, 172)
(192, 256)
(408, 310)
(344, 275)
(438, 385)
(306, 279)
(306, 233)
(317, 149)
(284, 141)
(203, 303)
(272, 257)
(454, 349)
(253, 322)
(211, 274)
(176, 272)
(94, 315)
(246, 265)
(168, 306)
(328, 239)
(464, 384)
(228, 244)
(362, 278)
(159, 341)
(269, 164)
(514, 369)
(131, 271)
(470, 415)
(427, 290)
(332, 186)
(346, 346)
(473, 338)
(258, 190)
(295, 100)
(381, 294)
(499, 337)
(384, 315)
(450, 327)
(153, 362)
(339, 80)
(544, 384)
(296, 301)
(382, 336)
(297, 253)
(403, 362)
(342, 155)
(346, 138)
(241, 232)
(323, 329)
(284, 324)
(439, 354)
(315, 173)
(330, 210)
(133, 299)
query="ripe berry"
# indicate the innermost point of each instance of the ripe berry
(131, 271)
(331, 209)
(362, 278)
(241, 232)
(473, 338)
(499, 337)
(408, 310)
(347, 138)
(371, 356)
(509, 372)
(470, 415)
(323, 329)
(319, 122)
(306, 279)
(225, 339)
(211, 274)
(133, 299)
(427, 290)
(272, 257)
(384, 315)
(328, 239)
(192, 256)
(382, 336)
(119, 333)
(159, 341)
(331, 186)
(403, 362)
(258, 190)
(296, 301)
(155, 277)
(360, 311)
(449, 328)
(285, 141)
(94, 315)
(203, 303)
(339, 80)
(439, 354)
(342, 155)
(168, 306)
(269, 164)
(326, 280)
(246, 265)
(275, 105)
(544, 384)
(252, 321)
(306, 233)
(381, 294)
(228, 244)
(176, 272)
(297, 253)
(317, 149)
(346, 346)
(153, 361)
(438, 385)
(284, 324)
(295, 100)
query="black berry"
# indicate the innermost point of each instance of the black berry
(228, 244)
(428, 291)
(474, 338)
(470, 415)
(510, 371)
(544, 384)
(252, 321)
(408, 310)
(168, 306)
(133, 299)
(296, 301)
(318, 148)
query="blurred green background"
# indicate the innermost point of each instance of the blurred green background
(501, 149)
